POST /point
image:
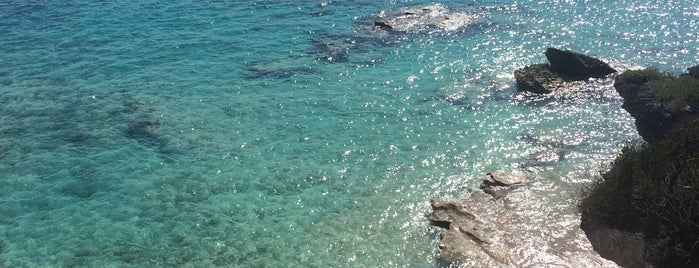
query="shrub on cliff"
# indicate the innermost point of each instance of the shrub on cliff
(654, 188)
(678, 93)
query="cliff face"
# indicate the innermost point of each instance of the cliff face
(653, 190)
(658, 101)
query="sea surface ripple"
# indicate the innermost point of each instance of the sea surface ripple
(292, 134)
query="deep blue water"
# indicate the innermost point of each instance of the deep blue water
(219, 133)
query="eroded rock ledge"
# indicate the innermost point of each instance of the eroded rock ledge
(466, 236)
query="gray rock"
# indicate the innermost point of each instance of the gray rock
(508, 178)
(465, 235)
(624, 248)
(514, 231)
(499, 183)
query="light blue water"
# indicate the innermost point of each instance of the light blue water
(216, 133)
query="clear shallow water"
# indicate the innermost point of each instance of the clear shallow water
(216, 133)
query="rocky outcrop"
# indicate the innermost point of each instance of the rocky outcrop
(658, 101)
(513, 231)
(388, 28)
(499, 183)
(564, 66)
(573, 66)
(422, 18)
(465, 235)
(537, 78)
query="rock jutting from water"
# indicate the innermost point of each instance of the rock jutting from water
(466, 236)
(500, 183)
(564, 66)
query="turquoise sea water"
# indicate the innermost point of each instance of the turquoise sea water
(292, 133)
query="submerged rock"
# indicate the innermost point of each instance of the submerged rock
(421, 18)
(144, 130)
(279, 69)
(564, 66)
(337, 48)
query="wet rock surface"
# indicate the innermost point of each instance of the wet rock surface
(499, 183)
(483, 231)
(422, 18)
(564, 66)
(465, 235)
(537, 78)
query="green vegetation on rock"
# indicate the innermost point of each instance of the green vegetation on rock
(678, 92)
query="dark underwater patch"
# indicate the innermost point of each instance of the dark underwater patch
(280, 68)
(79, 189)
(358, 47)
(143, 130)
(272, 70)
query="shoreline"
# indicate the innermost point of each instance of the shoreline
(470, 232)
